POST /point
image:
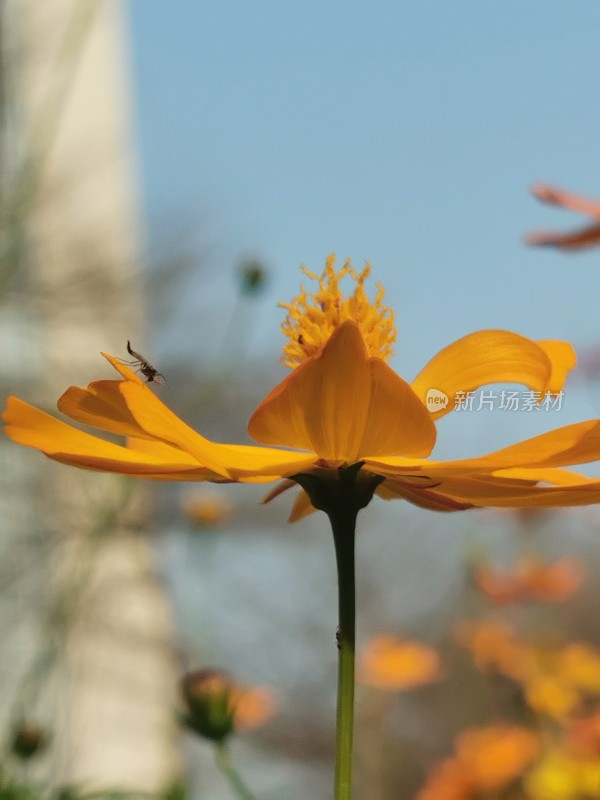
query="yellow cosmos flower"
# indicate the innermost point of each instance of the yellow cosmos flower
(341, 405)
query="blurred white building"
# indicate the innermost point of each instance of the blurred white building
(88, 631)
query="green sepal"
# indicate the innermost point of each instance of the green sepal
(347, 487)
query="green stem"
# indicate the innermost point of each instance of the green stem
(225, 764)
(341, 495)
(343, 523)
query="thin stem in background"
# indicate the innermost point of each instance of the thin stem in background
(225, 764)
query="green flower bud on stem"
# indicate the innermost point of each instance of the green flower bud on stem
(208, 695)
(29, 739)
(253, 277)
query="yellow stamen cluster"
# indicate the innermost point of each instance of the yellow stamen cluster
(313, 317)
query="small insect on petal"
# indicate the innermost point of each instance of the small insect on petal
(150, 373)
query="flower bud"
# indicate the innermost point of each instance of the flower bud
(217, 706)
(253, 277)
(207, 694)
(29, 739)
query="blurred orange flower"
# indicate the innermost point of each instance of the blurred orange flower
(580, 665)
(493, 645)
(577, 240)
(253, 706)
(555, 681)
(496, 754)
(548, 693)
(582, 736)
(531, 580)
(486, 759)
(388, 662)
(448, 781)
(207, 509)
(570, 770)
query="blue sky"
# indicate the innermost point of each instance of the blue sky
(402, 133)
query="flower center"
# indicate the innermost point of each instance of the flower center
(312, 317)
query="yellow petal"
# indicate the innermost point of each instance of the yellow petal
(342, 404)
(562, 358)
(494, 356)
(238, 462)
(123, 369)
(160, 460)
(280, 417)
(107, 405)
(262, 464)
(29, 426)
(166, 453)
(101, 406)
(159, 422)
(155, 448)
(495, 492)
(512, 488)
(424, 497)
(398, 422)
(323, 405)
(557, 477)
(148, 471)
(572, 444)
